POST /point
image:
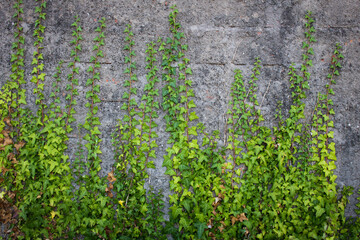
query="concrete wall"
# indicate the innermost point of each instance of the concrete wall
(222, 35)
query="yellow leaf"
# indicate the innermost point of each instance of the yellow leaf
(53, 214)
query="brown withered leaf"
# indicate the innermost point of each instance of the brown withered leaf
(242, 217)
(109, 193)
(209, 223)
(5, 133)
(212, 235)
(8, 121)
(19, 145)
(10, 156)
(214, 212)
(220, 195)
(221, 228)
(108, 190)
(222, 186)
(233, 220)
(216, 202)
(9, 217)
(6, 218)
(4, 170)
(11, 195)
(246, 231)
(7, 141)
(111, 178)
(224, 167)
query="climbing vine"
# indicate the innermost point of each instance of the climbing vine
(263, 183)
(135, 140)
(266, 183)
(12, 95)
(91, 216)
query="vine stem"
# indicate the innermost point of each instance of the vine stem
(38, 71)
(267, 89)
(18, 27)
(72, 78)
(327, 102)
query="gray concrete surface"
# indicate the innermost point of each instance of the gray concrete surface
(222, 35)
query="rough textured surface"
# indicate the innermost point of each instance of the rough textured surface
(222, 35)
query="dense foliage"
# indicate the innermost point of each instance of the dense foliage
(264, 183)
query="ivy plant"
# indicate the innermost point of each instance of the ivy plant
(135, 140)
(265, 182)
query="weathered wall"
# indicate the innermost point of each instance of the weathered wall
(222, 35)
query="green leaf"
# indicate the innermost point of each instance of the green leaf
(313, 234)
(153, 144)
(170, 172)
(97, 88)
(193, 116)
(192, 154)
(191, 104)
(194, 144)
(331, 134)
(188, 71)
(125, 95)
(152, 154)
(192, 131)
(34, 61)
(332, 165)
(332, 156)
(200, 229)
(319, 211)
(175, 148)
(143, 209)
(95, 131)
